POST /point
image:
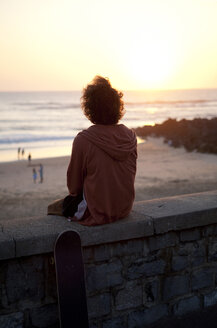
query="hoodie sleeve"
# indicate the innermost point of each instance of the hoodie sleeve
(77, 167)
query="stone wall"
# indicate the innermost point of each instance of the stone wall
(158, 264)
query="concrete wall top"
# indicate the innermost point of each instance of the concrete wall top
(37, 235)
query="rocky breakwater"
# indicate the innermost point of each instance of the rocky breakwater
(195, 135)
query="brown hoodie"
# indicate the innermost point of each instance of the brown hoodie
(103, 166)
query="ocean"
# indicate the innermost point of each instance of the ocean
(45, 123)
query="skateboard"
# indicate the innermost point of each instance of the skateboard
(70, 280)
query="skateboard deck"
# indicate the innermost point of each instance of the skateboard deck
(70, 280)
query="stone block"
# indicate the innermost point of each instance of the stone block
(210, 230)
(210, 299)
(50, 278)
(190, 235)
(35, 235)
(187, 305)
(212, 250)
(44, 316)
(25, 280)
(36, 242)
(136, 225)
(136, 246)
(151, 291)
(129, 297)
(3, 297)
(129, 247)
(99, 305)
(195, 251)
(198, 253)
(93, 325)
(140, 268)
(14, 320)
(3, 293)
(102, 253)
(202, 278)
(182, 212)
(7, 246)
(114, 323)
(139, 319)
(179, 263)
(183, 249)
(146, 250)
(162, 241)
(175, 286)
(104, 276)
(88, 254)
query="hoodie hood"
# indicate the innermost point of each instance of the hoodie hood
(116, 140)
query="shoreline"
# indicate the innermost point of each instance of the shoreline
(35, 159)
(42, 152)
(161, 171)
(9, 156)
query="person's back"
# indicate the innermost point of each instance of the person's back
(103, 160)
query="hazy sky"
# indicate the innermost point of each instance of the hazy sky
(138, 44)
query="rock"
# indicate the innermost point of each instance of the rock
(195, 135)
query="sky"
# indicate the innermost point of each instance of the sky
(137, 44)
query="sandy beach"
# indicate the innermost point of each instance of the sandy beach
(161, 171)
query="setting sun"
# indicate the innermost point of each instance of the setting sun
(152, 66)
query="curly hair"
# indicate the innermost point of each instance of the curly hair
(101, 103)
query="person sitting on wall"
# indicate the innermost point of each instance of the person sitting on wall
(102, 167)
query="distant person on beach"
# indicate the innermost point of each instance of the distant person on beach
(18, 152)
(34, 175)
(41, 173)
(23, 152)
(29, 158)
(102, 167)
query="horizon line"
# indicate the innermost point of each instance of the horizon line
(131, 90)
